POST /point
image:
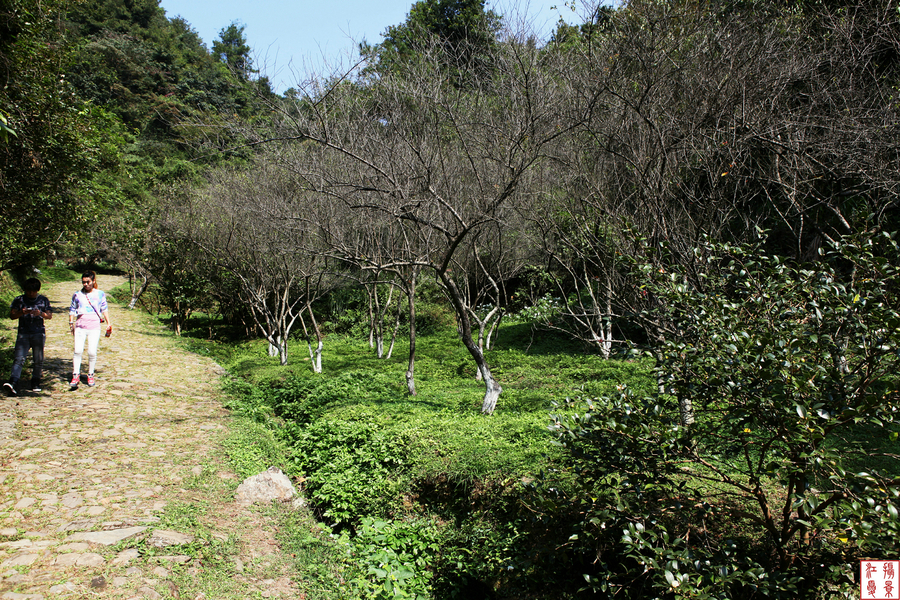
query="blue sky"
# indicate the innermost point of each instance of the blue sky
(292, 38)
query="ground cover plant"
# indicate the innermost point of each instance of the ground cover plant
(459, 169)
(783, 477)
(429, 496)
(632, 490)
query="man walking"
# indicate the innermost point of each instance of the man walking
(30, 309)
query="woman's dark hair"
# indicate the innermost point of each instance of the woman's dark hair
(32, 284)
(90, 275)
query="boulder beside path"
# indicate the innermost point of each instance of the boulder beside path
(269, 486)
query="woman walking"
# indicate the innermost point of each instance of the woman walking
(88, 310)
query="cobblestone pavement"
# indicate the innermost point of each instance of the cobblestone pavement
(81, 471)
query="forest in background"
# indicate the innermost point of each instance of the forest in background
(102, 104)
(709, 189)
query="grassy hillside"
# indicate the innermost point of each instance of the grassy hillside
(449, 486)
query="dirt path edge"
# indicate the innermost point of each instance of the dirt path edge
(122, 490)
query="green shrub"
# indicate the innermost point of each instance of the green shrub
(396, 556)
(250, 400)
(350, 463)
(323, 565)
(252, 447)
(344, 311)
(372, 455)
(303, 399)
(432, 318)
(733, 483)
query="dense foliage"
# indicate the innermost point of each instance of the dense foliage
(51, 140)
(776, 484)
(784, 477)
(427, 496)
(102, 103)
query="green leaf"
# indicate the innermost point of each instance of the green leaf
(671, 579)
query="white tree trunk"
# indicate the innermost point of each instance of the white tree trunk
(604, 321)
(371, 323)
(492, 391)
(494, 328)
(464, 326)
(283, 352)
(411, 366)
(275, 349)
(396, 329)
(317, 365)
(138, 291)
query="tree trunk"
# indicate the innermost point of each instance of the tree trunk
(177, 319)
(315, 356)
(685, 405)
(686, 410)
(283, 351)
(479, 376)
(137, 292)
(317, 362)
(395, 330)
(275, 349)
(605, 324)
(494, 328)
(378, 322)
(492, 392)
(483, 341)
(492, 388)
(380, 312)
(371, 322)
(411, 367)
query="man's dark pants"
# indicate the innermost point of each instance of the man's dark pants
(24, 343)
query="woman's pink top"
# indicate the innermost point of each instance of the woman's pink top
(87, 308)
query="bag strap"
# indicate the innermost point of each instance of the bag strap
(92, 306)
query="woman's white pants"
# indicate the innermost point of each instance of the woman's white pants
(93, 339)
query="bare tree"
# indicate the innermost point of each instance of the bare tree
(380, 295)
(495, 255)
(248, 225)
(434, 161)
(385, 253)
(712, 123)
(821, 139)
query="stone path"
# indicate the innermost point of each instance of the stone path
(87, 475)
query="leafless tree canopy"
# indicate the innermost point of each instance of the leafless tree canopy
(641, 132)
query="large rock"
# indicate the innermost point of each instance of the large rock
(264, 488)
(105, 538)
(163, 538)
